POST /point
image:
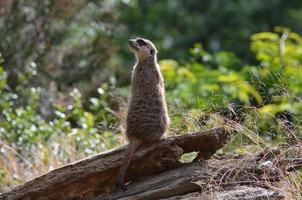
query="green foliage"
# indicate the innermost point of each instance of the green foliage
(269, 94)
(23, 127)
(25, 130)
(218, 25)
(26, 127)
(207, 81)
(61, 41)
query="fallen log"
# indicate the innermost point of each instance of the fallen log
(96, 175)
(231, 177)
(240, 192)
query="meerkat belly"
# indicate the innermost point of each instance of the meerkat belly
(147, 119)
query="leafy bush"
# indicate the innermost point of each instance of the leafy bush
(29, 141)
(267, 96)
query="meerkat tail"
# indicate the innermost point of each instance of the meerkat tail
(132, 147)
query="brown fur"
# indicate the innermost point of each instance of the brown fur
(147, 118)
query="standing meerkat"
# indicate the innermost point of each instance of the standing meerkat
(147, 118)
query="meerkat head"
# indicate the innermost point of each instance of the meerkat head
(142, 48)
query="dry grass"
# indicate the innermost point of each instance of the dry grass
(19, 168)
(247, 143)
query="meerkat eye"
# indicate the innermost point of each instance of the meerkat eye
(141, 42)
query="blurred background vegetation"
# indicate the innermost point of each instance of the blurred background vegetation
(65, 74)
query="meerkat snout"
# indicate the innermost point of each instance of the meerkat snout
(133, 45)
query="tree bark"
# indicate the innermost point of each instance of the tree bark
(96, 175)
(234, 193)
(232, 178)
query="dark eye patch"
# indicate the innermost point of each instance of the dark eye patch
(141, 42)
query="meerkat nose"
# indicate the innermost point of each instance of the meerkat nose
(133, 44)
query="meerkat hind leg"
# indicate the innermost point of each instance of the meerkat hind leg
(131, 149)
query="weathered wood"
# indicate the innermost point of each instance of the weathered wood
(240, 177)
(234, 193)
(93, 176)
(199, 176)
(173, 182)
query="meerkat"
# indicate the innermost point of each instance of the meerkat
(147, 118)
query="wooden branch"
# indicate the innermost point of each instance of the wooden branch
(238, 193)
(93, 176)
(243, 177)
(174, 182)
(200, 177)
